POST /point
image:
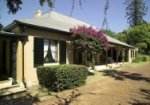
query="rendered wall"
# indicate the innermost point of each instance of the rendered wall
(30, 72)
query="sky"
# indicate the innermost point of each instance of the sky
(92, 12)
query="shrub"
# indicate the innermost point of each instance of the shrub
(145, 58)
(137, 58)
(61, 77)
(141, 58)
(110, 60)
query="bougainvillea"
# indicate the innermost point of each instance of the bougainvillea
(89, 40)
(84, 35)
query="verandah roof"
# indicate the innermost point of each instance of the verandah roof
(56, 21)
(10, 34)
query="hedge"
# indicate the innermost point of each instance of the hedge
(61, 77)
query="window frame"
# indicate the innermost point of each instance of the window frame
(57, 53)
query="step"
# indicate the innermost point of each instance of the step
(5, 83)
(12, 91)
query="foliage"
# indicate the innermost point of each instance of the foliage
(141, 58)
(15, 5)
(139, 36)
(122, 36)
(109, 32)
(110, 60)
(88, 39)
(61, 77)
(135, 11)
(49, 2)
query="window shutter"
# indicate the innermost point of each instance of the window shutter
(62, 52)
(38, 52)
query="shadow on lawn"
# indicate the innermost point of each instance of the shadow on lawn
(121, 75)
(145, 94)
(137, 102)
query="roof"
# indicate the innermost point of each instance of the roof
(57, 21)
(115, 41)
(52, 20)
(10, 34)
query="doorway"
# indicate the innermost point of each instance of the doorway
(4, 60)
(77, 57)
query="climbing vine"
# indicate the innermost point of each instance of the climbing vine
(89, 40)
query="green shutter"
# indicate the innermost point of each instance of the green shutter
(62, 52)
(38, 52)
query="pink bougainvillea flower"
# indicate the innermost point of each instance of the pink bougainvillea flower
(91, 32)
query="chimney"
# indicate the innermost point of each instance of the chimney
(38, 13)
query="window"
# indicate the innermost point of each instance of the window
(50, 51)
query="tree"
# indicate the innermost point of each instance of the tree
(109, 32)
(135, 11)
(15, 5)
(139, 36)
(122, 36)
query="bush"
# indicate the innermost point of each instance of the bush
(61, 77)
(145, 58)
(137, 58)
(110, 60)
(141, 58)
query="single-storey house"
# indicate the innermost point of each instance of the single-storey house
(46, 40)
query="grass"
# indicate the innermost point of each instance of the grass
(133, 64)
(94, 78)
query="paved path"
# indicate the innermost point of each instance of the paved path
(128, 86)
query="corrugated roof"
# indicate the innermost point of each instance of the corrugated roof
(57, 21)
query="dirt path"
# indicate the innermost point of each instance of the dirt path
(126, 86)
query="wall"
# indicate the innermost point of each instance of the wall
(47, 34)
(30, 72)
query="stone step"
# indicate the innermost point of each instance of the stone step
(12, 91)
(5, 83)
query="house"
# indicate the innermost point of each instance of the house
(46, 40)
